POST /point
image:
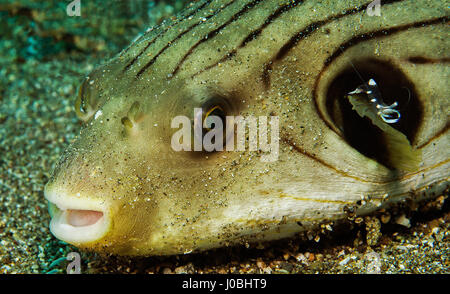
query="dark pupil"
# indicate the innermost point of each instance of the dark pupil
(219, 113)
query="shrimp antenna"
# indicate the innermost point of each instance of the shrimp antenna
(409, 97)
(354, 67)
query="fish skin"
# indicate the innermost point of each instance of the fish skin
(162, 202)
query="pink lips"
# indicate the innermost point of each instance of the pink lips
(77, 220)
(81, 218)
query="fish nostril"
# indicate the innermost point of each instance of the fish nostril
(81, 218)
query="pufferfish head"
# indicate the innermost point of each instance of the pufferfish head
(120, 186)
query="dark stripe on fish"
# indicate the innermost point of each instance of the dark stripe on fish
(228, 56)
(381, 34)
(316, 25)
(253, 35)
(184, 14)
(214, 32)
(266, 74)
(295, 39)
(426, 60)
(194, 11)
(437, 135)
(298, 149)
(143, 69)
(368, 36)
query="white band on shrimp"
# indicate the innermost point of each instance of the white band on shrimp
(387, 113)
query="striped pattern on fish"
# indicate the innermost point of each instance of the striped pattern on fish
(297, 60)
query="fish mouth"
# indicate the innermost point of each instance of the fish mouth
(77, 220)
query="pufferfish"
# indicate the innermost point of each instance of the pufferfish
(121, 188)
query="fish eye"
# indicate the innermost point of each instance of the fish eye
(211, 122)
(80, 103)
(85, 105)
(209, 117)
